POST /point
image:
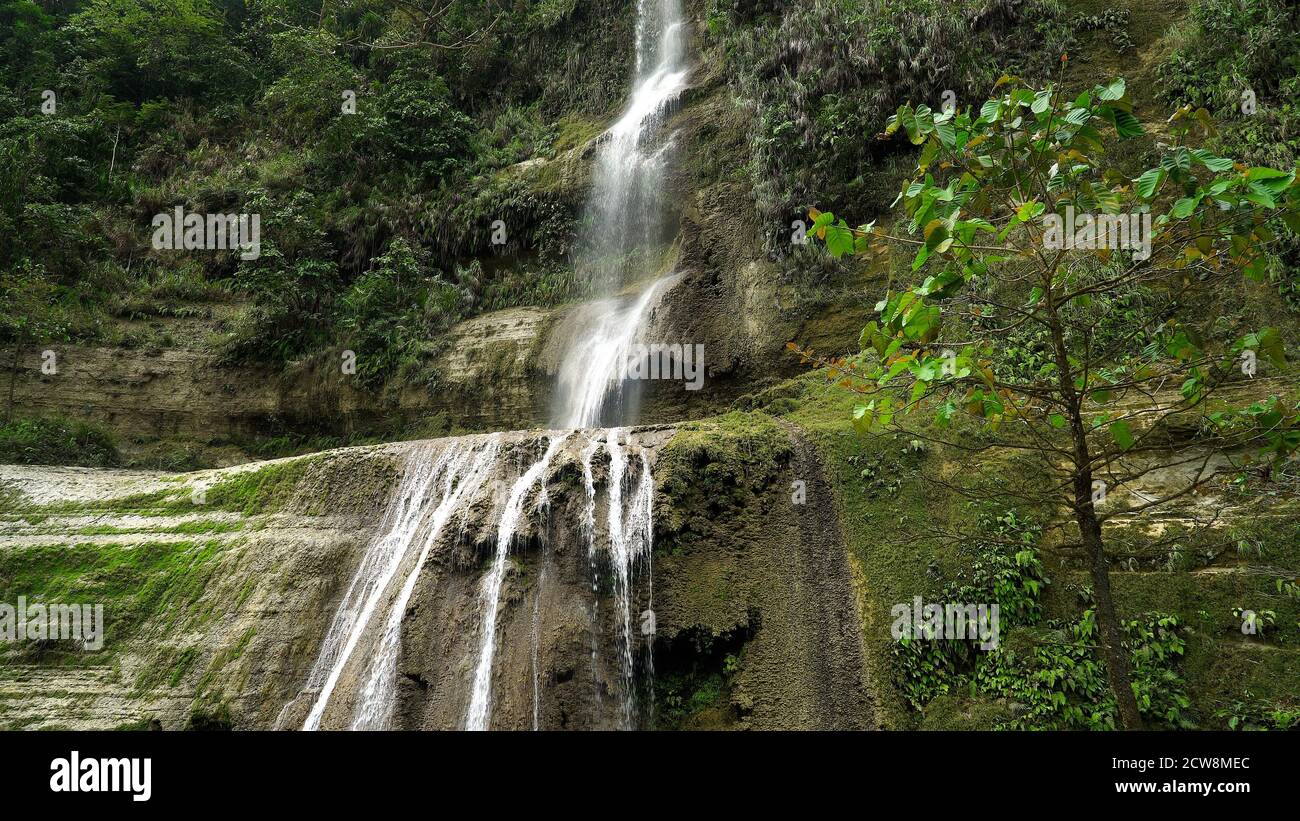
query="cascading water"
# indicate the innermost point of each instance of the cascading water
(625, 208)
(629, 537)
(536, 639)
(621, 239)
(481, 695)
(624, 216)
(592, 384)
(459, 470)
(353, 682)
(375, 707)
(628, 540)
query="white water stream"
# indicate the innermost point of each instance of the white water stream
(629, 536)
(591, 377)
(481, 695)
(456, 471)
(624, 217)
(375, 707)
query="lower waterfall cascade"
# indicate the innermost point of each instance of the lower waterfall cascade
(353, 681)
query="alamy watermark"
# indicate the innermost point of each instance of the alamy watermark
(53, 622)
(931, 622)
(179, 231)
(127, 775)
(1095, 232)
(666, 361)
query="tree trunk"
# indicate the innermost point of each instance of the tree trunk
(1118, 672)
(1112, 649)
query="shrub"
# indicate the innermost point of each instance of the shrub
(56, 441)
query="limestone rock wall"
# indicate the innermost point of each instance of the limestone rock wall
(219, 587)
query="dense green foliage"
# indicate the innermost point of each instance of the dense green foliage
(980, 206)
(56, 442)
(235, 107)
(1242, 61)
(820, 78)
(1053, 675)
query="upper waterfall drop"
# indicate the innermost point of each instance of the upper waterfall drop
(624, 209)
(622, 238)
(593, 384)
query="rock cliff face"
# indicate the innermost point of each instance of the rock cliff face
(493, 372)
(483, 383)
(220, 588)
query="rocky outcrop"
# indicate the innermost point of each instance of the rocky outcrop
(220, 586)
(754, 577)
(481, 381)
(210, 608)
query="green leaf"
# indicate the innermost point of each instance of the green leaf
(1261, 199)
(1114, 91)
(1149, 182)
(1261, 173)
(947, 134)
(868, 336)
(1271, 345)
(1184, 207)
(922, 324)
(921, 256)
(928, 153)
(1078, 116)
(1029, 210)
(1210, 161)
(823, 220)
(839, 240)
(863, 416)
(1127, 125)
(1122, 435)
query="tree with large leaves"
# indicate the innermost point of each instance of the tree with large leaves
(1017, 227)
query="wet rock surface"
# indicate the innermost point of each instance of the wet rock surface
(252, 580)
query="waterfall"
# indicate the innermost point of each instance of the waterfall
(460, 470)
(624, 217)
(624, 208)
(591, 376)
(589, 533)
(630, 540)
(441, 480)
(375, 707)
(621, 240)
(481, 695)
